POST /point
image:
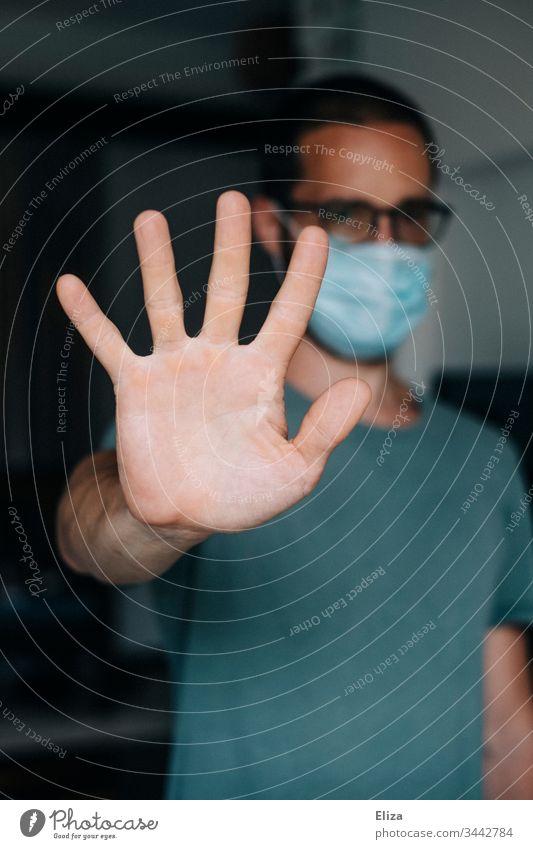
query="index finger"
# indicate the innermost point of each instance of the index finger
(291, 309)
(100, 334)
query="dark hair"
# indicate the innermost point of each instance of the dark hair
(343, 99)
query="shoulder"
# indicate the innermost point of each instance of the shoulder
(479, 448)
(466, 428)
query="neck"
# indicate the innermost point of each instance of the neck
(313, 369)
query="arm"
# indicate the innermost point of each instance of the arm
(508, 733)
(97, 534)
(202, 441)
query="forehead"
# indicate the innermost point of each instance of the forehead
(382, 163)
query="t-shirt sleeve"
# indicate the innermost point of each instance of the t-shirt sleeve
(513, 596)
(108, 441)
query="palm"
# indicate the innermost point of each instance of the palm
(210, 427)
(201, 429)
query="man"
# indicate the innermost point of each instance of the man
(366, 641)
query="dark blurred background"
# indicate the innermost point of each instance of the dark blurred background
(82, 667)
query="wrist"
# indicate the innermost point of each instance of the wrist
(184, 536)
(179, 535)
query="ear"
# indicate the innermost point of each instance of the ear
(266, 225)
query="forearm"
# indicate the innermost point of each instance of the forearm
(97, 534)
(509, 760)
(508, 753)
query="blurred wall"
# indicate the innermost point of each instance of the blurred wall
(464, 63)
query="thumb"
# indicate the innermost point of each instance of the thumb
(329, 420)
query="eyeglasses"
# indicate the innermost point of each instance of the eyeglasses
(416, 221)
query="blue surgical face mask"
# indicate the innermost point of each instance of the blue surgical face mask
(372, 296)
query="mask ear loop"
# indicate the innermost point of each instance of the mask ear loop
(279, 267)
(294, 231)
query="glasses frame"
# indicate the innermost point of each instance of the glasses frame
(394, 213)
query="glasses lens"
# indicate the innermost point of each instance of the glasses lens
(351, 223)
(415, 222)
(420, 223)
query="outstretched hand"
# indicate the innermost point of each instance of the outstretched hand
(201, 429)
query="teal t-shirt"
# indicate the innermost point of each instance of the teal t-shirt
(336, 651)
